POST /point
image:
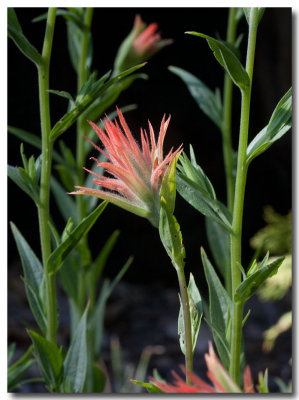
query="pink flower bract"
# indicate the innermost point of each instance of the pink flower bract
(136, 174)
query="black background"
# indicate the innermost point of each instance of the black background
(269, 177)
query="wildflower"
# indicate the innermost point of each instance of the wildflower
(148, 40)
(141, 43)
(136, 173)
(222, 382)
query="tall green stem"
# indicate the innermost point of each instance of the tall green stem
(44, 205)
(227, 117)
(187, 321)
(236, 245)
(81, 79)
(80, 156)
(226, 131)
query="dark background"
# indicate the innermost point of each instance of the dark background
(269, 177)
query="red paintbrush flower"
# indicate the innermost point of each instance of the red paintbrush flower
(136, 174)
(222, 382)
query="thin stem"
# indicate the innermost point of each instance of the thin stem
(236, 244)
(187, 321)
(227, 117)
(226, 131)
(44, 205)
(80, 157)
(82, 77)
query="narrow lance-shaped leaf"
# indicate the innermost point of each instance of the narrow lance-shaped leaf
(75, 363)
(208, 102)
(195, 307)
(228, 60)
(17, 370)
(219, 241)
(49, 359)
(98, 265)
(279, 124)
(33, 277)
(195, 187)
(249, 286)
(98, 316)
(16, 34)
(219, 307)
(56, 258)
(64, 202)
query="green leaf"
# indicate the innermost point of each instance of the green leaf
(21, 178)
(208, 102)
(69, 274)
(228, 60)
(98, 265)
(280, 122)
(66, 95)
(75, 363)
(99, 106)
(150, 387)
(195, 307)
(219, 242)
(98, 316)
(75, 31)
(10, 352)
(57, 257)
(86, 99)
(49, 359)
(33, 277)
(99, 379)
(32, 139)
(259, 11)
(254, 281)
(18, 369)
(190, 186)
(64, 201)
(16, 34)
(220, 306)
(171, 236)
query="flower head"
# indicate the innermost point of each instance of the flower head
(141, 43)
(222, 382)
(148, 39)
(136, 174)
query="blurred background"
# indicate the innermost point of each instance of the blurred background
(148, 292)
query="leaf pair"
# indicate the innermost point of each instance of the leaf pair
(256, 276)
(87, 95)
(27, 178)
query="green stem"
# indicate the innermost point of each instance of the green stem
(227, 116)
(44, 205)
(80, 157)
(82, 78)
(187, 321)
(226, 131)
(236, 244)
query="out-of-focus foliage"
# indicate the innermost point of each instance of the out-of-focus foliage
(276, 236)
